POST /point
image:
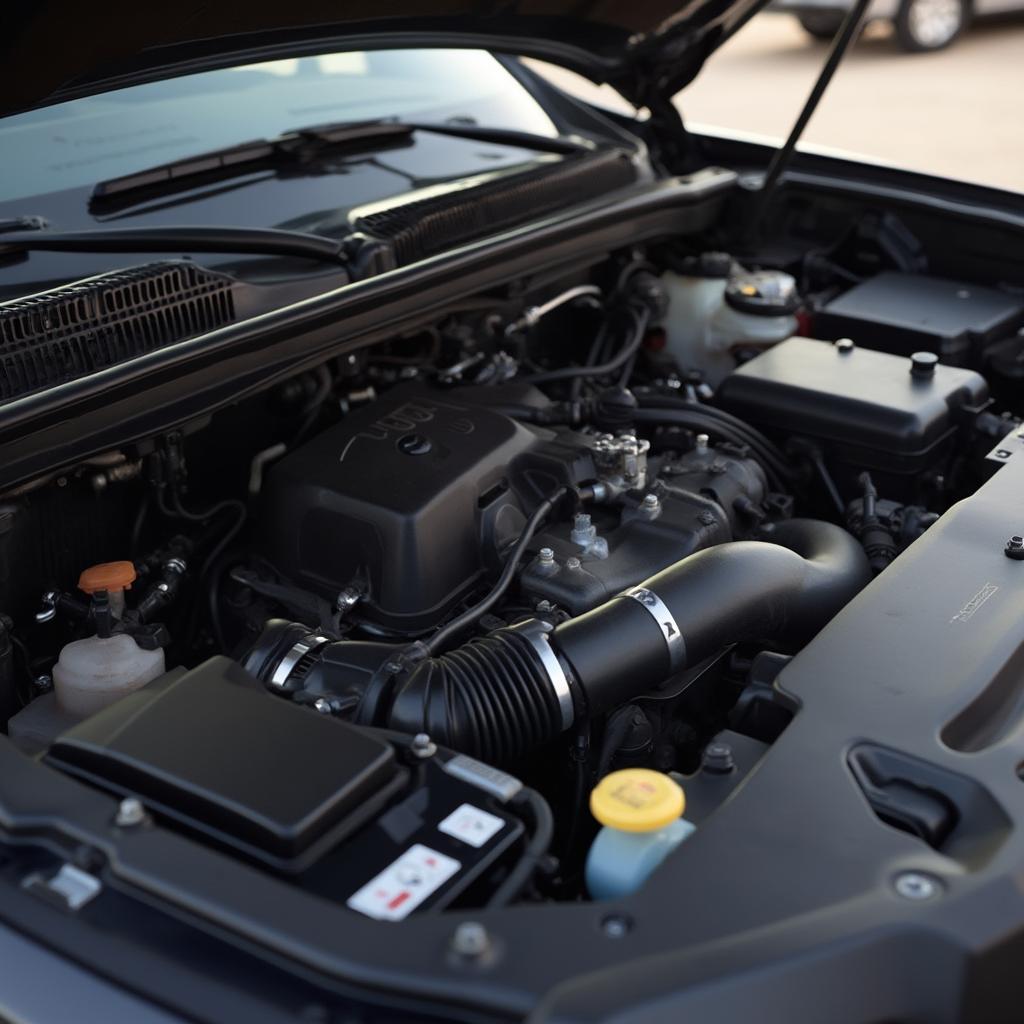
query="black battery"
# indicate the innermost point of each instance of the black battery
(441, 845)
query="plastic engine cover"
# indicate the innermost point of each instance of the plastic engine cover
(408, 497)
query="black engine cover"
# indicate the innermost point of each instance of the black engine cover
(409, 496)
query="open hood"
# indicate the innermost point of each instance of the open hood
(648, 49)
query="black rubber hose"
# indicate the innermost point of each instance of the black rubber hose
(741, 591)
(496, 697)
(641, 318)
(504, 695)
(536, 847)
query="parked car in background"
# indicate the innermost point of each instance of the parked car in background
(921, 25)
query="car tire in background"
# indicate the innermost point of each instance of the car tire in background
(926, 25)
(820, 24)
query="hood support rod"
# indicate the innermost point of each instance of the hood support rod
(840, 44)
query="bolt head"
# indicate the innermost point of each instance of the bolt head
(572, 563)
(913, 885)
(471, 940)
(422, 745)
(922, 365)
(323, 705)
(130, 812)
(844, 346)
(42, 684)
(616, 926)
(546, 555)
(1015, 548)
(650, 501)
(718, 759)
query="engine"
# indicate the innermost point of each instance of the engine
(460, 580)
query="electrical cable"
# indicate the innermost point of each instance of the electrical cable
(442, 637)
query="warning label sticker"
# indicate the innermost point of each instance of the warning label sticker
(404, 884)
(471, 825)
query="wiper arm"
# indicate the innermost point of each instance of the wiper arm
(303, 146)
(259, 241)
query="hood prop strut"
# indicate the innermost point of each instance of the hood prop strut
(840, 44)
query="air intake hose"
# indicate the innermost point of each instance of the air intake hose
(517, 688)
(505, 694)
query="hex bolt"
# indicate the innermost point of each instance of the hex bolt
(422, 746)
(650, 503)
(616, 926)
(913, 885)
(572, 564)
(701, 443)
(718, 759)
(323, 705)
(130, 812)
(844, 346)
(471, 940)
(546, 556)
(1015, 548)
(42, 683)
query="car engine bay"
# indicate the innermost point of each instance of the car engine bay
(381, 632)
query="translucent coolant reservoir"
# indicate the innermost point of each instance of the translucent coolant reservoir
(641, 811)
(91, 674)
(715, 308)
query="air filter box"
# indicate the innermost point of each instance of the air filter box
(865, 409)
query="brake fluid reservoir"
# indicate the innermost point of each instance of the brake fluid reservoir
(716, 307)
(758, 311)
(694, 293)
(641, 811)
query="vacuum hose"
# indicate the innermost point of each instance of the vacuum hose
(505, 694)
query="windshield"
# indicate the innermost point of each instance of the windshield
(74, 144)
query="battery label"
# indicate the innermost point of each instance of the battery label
(404, 884)
(471, 825)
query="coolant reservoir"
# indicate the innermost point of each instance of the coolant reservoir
(641, 811)
(716, 308)
(91, 674)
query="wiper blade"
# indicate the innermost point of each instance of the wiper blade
(258, 241)
(304, 146)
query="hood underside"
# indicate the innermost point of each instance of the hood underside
(648, 49)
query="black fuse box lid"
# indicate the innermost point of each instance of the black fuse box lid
(905, 313)
(212, 750)
(851, 396)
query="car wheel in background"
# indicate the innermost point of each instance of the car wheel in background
(923, 25)
(820, 24)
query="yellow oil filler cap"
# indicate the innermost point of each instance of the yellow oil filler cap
(637, 800)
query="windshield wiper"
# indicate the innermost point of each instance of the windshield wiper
(302, 147)
(259, 241)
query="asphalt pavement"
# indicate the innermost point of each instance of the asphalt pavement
(958, 112)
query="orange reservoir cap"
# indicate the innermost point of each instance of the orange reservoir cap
(109, 576)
